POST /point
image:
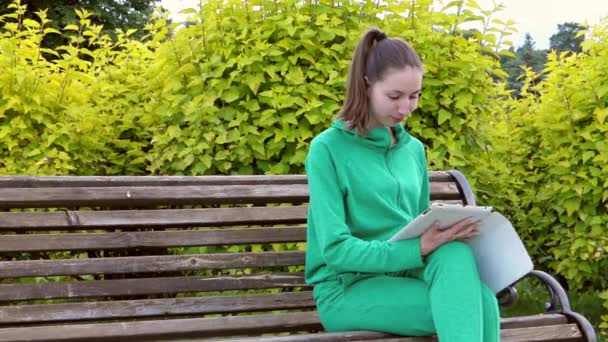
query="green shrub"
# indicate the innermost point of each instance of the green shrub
(71, 115)
(549, 165)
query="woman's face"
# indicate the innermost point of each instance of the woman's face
(395, 97)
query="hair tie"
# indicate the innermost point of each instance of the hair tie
(380, 37)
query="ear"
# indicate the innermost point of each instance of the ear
(367, 84)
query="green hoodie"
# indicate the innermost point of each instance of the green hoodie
(363, 191)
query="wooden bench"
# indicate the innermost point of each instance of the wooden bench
(184, 258)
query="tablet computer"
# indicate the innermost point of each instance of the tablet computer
(501, 256)
(445, 214)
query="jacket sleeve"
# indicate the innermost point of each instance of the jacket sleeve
(340, 250)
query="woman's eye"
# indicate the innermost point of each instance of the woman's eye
(393, 97)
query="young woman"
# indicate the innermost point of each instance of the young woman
(368, 178)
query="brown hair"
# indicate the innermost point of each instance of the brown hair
(374, 55)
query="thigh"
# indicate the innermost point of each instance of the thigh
(398, 305)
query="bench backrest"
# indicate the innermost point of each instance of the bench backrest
(78, 249)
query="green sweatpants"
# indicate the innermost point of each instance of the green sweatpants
(445, 297)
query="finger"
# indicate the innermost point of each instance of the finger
(465, 231)
(463, 221)
(468, 234)
(434, 226)
(464, 225)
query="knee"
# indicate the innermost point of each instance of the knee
(453, 252)
(488, 298)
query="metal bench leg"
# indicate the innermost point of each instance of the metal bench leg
(507, 297)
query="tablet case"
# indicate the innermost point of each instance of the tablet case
(501, 256)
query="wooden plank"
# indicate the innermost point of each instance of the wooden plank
(327, 337)
(234, 326)
(165, 218)
(547, 333)
(346, 336)
(566, 332)
(148, 264)
(533, 321)
(162, 307)
(113, 181)
(147, 286)
(444, 191)
(159, 218)
(508, 331)
(163, 329)
(154, 239)
(146, 196)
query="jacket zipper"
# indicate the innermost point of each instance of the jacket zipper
(390, 171)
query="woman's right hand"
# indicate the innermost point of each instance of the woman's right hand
(435, 235)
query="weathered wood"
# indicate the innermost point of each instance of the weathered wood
(161, 218)
(234, 326)
(157, 330)
(547, 333)
(113, 181)
(166, 218)
(533, 321)
(550, 333)
(147, 286)
(346, 336)
(127, 309)
(147, 264)
(146, 196)
(155, 239)
(162, 307)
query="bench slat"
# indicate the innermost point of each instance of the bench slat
(533, 321)
(147, 196)
(332, 337)
(166, 218)
(98, 181)
(166, 329)
(147, 264)
(160, 218)
(199, 305)
(547, 334)
(236, 325)
(164, 307)
(114, 181)
(93, 241)
(566, 332)
(147, 286)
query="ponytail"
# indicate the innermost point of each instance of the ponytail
(374, 54)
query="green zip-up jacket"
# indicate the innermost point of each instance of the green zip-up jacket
(363, 190)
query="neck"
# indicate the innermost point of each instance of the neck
(392, 133)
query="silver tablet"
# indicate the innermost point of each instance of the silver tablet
(445, 214)
(500, 254)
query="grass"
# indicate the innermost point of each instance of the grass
(533, 295)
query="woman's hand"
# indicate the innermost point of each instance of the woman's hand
(435, 236)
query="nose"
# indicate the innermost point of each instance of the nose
(404, 107)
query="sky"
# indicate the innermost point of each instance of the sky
(537, 17)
